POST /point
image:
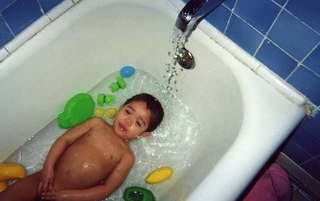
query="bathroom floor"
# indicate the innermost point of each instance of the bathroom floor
(304, 187)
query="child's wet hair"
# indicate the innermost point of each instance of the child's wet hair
(154, 105)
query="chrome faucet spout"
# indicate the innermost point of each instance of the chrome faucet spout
(192, 14)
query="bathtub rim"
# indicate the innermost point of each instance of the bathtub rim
(214, 173)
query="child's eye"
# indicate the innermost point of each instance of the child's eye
(128, 111)
(139, 124)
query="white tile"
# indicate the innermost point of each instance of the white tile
(3, 54)
(28, 33)
(60, 9)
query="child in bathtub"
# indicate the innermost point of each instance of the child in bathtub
(91, 160)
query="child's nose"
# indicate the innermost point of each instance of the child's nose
(129, 121)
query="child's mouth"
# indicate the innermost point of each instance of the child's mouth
(122, 128)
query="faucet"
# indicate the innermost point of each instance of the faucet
(187, 21)
(193, 12)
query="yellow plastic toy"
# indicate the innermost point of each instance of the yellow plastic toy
(10, 171)
(3, 186)
(110, 113)
(159, 175)
(99, 112)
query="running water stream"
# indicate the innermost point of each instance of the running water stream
(173, 69)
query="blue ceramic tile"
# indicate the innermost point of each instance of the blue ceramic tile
(313, 61)
(313, 167)
(307, 11)
(5, 34)
(281, 2)
(310, 127)
(219, 18)
(49, 4)
(288, 33)
(229, 3)
(308, 142)
(242, 34)
(4, 4)
(276, 59)
(21, 14)
(259, 14)
(296, 153)
(308, 83)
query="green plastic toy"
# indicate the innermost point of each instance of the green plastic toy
(77, 110)
(122, 84)
(136, 193)
(101, 99)
(110, 99)
(114, 87)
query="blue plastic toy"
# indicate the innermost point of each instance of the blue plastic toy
(127, 71)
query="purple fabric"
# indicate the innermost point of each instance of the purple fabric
(273, 185)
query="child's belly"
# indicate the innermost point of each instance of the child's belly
(81, 166)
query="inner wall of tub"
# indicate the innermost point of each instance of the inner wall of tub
(171, 144)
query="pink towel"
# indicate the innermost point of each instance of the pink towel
(273, 185)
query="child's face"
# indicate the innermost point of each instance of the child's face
(132, 120)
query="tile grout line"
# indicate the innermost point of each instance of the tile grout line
(8, 26)
(297, 18)
(310, 159)
(292, 72)
(230, 16)
(302, 22)
(41, 9)
(8, 6)
(269, 30)
(300, 63)
(265, 37)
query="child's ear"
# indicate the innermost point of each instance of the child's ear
(145, 134)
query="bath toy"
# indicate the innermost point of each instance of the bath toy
(121, 83)
(110, 113)
(101, 99)
(159, 175)
(99, 112)
(136, 193)
(109, 99)
(3, 186)
(77, 110)
(114, 87)
(127, 71)
(11, 171)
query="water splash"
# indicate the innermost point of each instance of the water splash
(173, 70)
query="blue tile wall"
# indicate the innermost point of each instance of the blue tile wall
(283, 34)
(16, 15)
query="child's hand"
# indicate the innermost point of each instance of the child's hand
(46, 180)
(55, 196)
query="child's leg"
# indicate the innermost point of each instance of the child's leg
(23, 190)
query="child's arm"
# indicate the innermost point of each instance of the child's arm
(59, 146)
(99, 192)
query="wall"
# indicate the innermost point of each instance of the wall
(282, 34)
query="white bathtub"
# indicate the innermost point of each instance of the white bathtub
(243, 117)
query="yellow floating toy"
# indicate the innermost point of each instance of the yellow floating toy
(159, 175)
(3, 186)
(99, 112)
(10, 171)
(110, 113)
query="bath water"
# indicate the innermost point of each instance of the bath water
(171, 144)
(173, 69)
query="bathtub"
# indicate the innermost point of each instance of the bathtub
(244, 111)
